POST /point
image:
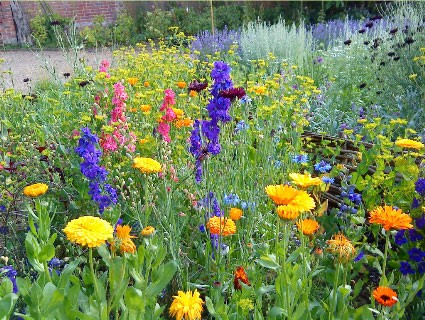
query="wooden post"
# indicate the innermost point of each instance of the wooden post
(212, 17)
(23, 31)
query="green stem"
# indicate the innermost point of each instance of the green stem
(384, 264)
(46, 270)
(285, 275)
(335, 290)
(96, 288)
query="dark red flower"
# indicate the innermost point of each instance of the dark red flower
(369, 24)
(241, 275)
(233, 93)
(347, 42)
(197, 86)
(393, 31)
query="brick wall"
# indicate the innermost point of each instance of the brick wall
(7, 25)
(82, 11)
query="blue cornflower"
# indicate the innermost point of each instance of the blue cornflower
(11, 273)
(400, 238)
(359, 256)
(415, 235)
(354, 197)
(231, 199)
(4, 230)
(328, 180)
(241, 126)
(277, 164)
(245, 99)
(406, 268)
(420, 186)
(55, 262)
(202, 228)
(416, 254)
(2, 208)
(300, 158)
(322, 166)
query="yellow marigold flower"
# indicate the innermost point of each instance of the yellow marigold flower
(385, 296)
(145, 108)
(286, 213)
(89, 231)
(123, 239)
(132, 81)
(390, 218)
(340, 246)
(146, 84)
(304, 180)
(35, 190)
(260, 90)
(143, 141)
(181, 84)
(413, 76)
(179, 112)
(147, 231)
(235, 214)
(410, 144)
(295, 200)
(221, 226)
(187, 306)
(183, 123)
(146, 165)
(308, 226)
(193, 93)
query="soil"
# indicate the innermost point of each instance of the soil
(23, 69)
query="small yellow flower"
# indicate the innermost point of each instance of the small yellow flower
(35, 190)
(413, 76)
(193, 93)
(145, 108)
(147, 231)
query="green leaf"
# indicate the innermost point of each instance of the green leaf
(134, 299)
(210, 306)
(265, 289)
(47, 252)
(7, 303)
(276, 312)
(167, 274)
(268, 262)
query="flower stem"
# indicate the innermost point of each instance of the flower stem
(285, 275)
(384, 264)
(335, 290)
(96, 288)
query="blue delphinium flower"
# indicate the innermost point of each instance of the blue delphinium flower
(11, 273)
(415, 203)
(415, 235)
(400, 237)
(416, 254)
(421, 267)
(420, 186)
(406, 268)
(359, 256)
(420, 222)
(102, 193)
(322, 166)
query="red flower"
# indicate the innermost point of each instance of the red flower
(233, 93)
(241, 275)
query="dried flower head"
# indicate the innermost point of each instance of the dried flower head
(340, 246)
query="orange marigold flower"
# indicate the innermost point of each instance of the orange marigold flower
(35, 190)
(340, 246)
(390, 218)
(193, 93)
(221, 226)
(235, 214)
(241, 275)
(123, 239)
(410, 144)
(308, 226)
(294, 200)
(146, 84)
(385, 296)
(183, 123)
(304, 180)
(181, 84)
(145, 108)
(132, 81)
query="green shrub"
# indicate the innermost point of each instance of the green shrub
(124, 31)
(98, 34)
(46, 28)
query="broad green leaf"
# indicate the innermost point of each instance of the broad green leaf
(167, 274)
(268, 262)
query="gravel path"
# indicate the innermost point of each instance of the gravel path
(22, 69)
